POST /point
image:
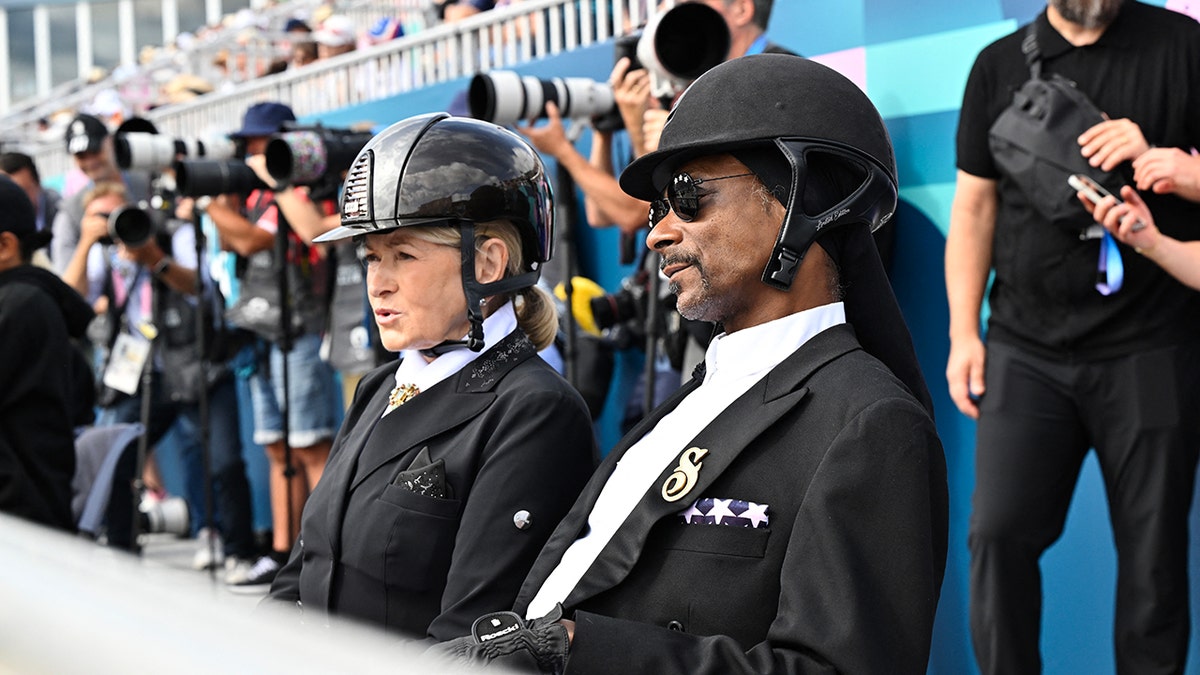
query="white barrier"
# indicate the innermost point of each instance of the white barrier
(70, 606)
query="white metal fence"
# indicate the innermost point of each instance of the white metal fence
(501, 38)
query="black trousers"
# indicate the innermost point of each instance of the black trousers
(1037, 421)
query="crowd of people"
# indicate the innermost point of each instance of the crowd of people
(782, 506)
(244, 45)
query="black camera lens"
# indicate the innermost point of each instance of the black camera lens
(308, 156)
(614, 308)
(202, 177)
(130, 226)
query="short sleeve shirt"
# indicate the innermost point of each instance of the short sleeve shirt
(1043, 296)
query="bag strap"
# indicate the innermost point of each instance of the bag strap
(117, 313)
(266, 199)
(1033, 55)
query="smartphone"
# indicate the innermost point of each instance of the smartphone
(1095, 192)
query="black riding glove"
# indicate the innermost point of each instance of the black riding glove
(537, 646)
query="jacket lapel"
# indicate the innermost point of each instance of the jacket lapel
(575, 521)
(704, 458)
(445, 406)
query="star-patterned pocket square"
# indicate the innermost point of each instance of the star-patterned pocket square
(728, 512)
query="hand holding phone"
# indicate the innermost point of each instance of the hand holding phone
(1095, 192)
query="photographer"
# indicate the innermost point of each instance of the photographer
(145, 287)
(90, 144)
(350, 341)
(310, 400)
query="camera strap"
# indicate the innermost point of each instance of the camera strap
(117, 307)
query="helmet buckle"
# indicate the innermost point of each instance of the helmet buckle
(788, 261)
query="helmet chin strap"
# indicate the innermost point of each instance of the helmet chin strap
(477, 295)
(872, 202)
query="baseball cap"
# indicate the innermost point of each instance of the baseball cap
(294, 24)
(16, 211)
(85, 133)
(264, 119)
(385, 28)
(336, 31)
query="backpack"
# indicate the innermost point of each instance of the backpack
(1033, 142)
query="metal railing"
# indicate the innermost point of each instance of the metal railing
(500, 38)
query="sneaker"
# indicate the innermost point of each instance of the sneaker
(210, 552)
(237, 570)
(259, 579)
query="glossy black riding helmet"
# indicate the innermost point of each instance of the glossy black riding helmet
(780, 115)
(436, 169)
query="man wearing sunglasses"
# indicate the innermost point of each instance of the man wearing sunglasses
(786, 510)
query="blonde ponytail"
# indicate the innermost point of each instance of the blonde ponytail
(536, 315)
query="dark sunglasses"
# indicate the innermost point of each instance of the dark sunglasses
(682, 197)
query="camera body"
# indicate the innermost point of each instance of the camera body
(628, 305)
(626, 46)
(144, 151)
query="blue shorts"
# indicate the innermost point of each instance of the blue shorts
(312, 396)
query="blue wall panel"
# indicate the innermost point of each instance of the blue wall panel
(888, 20)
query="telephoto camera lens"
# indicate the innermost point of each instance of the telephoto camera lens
(685, 41)
(130, 226)
(505, 97)
(308, 156)
(204, 177)
(144, 151)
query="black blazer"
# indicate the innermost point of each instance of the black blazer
(845, 576)
(513, 436)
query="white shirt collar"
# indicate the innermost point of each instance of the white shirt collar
(414, 369)
(760, 348)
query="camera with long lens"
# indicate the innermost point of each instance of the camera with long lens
(681, 44)
(144, 151)
(135, 225)
(132, 226)
(505, 97)
(676, 47)
(314, 155)
(207, 177)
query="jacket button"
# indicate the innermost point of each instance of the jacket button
(675, 625)
(523, 520)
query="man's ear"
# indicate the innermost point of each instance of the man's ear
(491, 259)
(741, 12)
(10, 251)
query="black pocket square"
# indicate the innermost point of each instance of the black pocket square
(425, 477)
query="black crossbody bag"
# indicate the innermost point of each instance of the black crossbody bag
(1034, 142)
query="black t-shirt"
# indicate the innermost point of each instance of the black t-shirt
(1146, 67)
